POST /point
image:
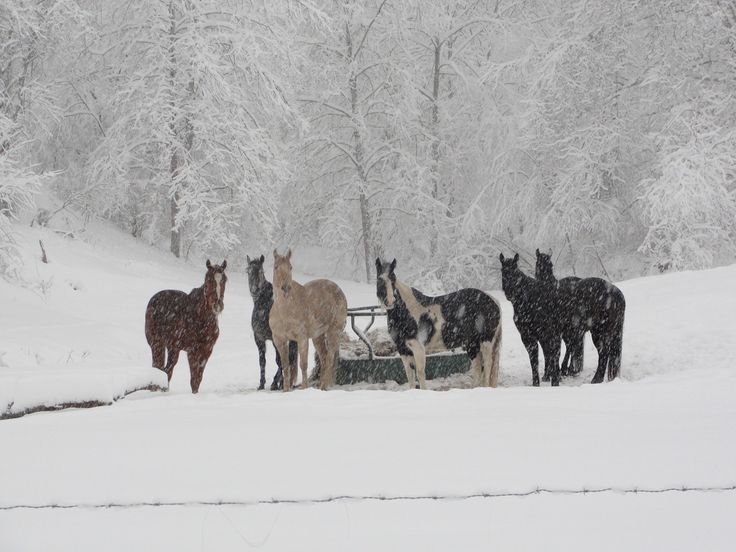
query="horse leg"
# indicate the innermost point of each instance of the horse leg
(303, 362)
(282, 346)
(171, 362)
(565, 364)
(600, 340)
(158, 354)
(262, 362)
(332, 353)
(293, 355)
(320, 343)
(532, 349)
(420, 359)
(195, 378)
(408, 363)
(551, 350)
(278, 379)
(476, 365)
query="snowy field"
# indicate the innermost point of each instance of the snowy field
(313, 470)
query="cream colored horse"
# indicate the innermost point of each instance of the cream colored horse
(316, 310)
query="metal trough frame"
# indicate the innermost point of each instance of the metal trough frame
(379, 369)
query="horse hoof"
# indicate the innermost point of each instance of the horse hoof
(545, 377)
(535, 383)
(261, 387)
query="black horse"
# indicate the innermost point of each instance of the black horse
(535, 316)
(468, 318)
(572, 363)
(262, 292)
(588, 304)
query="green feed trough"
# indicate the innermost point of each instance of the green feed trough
(378, 369)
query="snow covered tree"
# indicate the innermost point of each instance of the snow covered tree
(689, 201)
(358, 121)
(197, 113)
(32, 36)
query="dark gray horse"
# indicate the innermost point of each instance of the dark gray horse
(262, 292)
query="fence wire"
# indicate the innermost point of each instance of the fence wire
(378, 498)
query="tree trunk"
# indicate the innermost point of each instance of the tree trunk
(359, 152)
(175, 242)
(435, 147)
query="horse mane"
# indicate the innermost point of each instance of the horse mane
(422, 299)
(197, 293)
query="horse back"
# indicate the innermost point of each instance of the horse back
(470, 316)
(173, 319)
(598, 301)
(309, 310)
(326, 300)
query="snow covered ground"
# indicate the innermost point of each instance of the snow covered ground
(76, 332)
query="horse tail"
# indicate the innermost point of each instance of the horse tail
(158, 350)
(491, 357)
(615, 350)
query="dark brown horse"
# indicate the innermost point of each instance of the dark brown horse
(177, 321)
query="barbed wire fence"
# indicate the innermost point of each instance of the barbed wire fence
(491, 495)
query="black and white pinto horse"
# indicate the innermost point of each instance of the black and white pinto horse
(262, 292)
(588, 304)
(535, 316)
(418, 324)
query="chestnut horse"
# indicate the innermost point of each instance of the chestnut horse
(316, 310)
(177, 321)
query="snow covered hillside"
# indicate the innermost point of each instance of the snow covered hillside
(282, 462)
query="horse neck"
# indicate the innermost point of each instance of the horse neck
(296, 290)
(198, 300)
(524, 289)
(548, 277)
(263, 292)
(408, 299)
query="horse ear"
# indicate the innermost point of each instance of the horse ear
(549, 253)
(379, 266)
(288, 253)
(275, 254)
(224, 264)
(538, 252)
(247, 258)
(208, 264)
(501, 257)
(393, 266)
(262, 259)
(516, 258)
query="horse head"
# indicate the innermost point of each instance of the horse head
(282, 270)
(256, 276)
(214, 286)
(543, 271)
(511, 275)
(386, 283)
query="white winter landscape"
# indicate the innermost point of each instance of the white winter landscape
(140, 140)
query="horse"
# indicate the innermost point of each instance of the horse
(469, 319)
(590, 304)
(177, 321)
(572, 363)
(316, 310)
(261, 290)
(535, 316)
